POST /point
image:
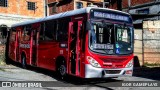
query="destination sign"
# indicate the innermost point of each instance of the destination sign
(103, 46)
(111, 16)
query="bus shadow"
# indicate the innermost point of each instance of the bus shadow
(96, 82)
(147, 72)
(72, 80)
(78, 82)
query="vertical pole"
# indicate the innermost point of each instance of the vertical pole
(129, 3)
(46, 8)
(103, 4)
(142, 45)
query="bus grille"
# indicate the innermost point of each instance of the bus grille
(115, 60)
(112, 71)
(111, 66)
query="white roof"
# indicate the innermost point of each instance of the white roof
(65, 14)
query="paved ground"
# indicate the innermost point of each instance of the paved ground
(16, 73)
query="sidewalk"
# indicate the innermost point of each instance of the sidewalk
(5, 66)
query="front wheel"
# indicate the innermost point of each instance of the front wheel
(62, 70)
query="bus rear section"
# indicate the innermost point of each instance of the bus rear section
(109, 44)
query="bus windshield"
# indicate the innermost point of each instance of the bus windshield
(108, 38)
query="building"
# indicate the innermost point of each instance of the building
(129, 4)
(58, 6)
(145, 13)
(15, 11)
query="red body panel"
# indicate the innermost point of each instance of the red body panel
(48, 53)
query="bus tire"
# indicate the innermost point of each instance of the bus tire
(62, 69)
(23, 62)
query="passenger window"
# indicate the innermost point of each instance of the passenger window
(13, 35)
(27, 33)
(50, 30)
(62, 32)
(41, 37)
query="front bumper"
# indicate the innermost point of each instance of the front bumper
(93, 72)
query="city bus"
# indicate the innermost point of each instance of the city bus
(90, 42)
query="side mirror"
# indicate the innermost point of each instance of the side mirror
(88, 25)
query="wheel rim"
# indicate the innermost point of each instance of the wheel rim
(62, 70)
(23, 61)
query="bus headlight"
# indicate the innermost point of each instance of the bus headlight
(130, 64)
(93, 62)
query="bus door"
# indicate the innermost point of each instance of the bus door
(17, 45)
(74, 47)
(34, 45)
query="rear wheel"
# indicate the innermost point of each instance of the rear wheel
(23, 61)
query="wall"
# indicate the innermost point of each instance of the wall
(151, 39)
(138, 45)
(135, 2)
(67, 5)
(62, 6)
(19, 7)
(17, 11)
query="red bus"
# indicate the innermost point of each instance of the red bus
(90, 42)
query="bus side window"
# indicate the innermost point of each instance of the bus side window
(41, 37)
(13, 35)
(23, 33)
(50, 27)
(27, 33)
(62, 32)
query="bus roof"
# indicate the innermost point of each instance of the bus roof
(64, 14)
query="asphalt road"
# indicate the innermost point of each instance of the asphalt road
(16, 73)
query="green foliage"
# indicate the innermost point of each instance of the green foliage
(1, 69)
(2, 55)
(152, 64)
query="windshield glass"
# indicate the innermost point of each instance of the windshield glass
(110, 38)
(123, 39)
